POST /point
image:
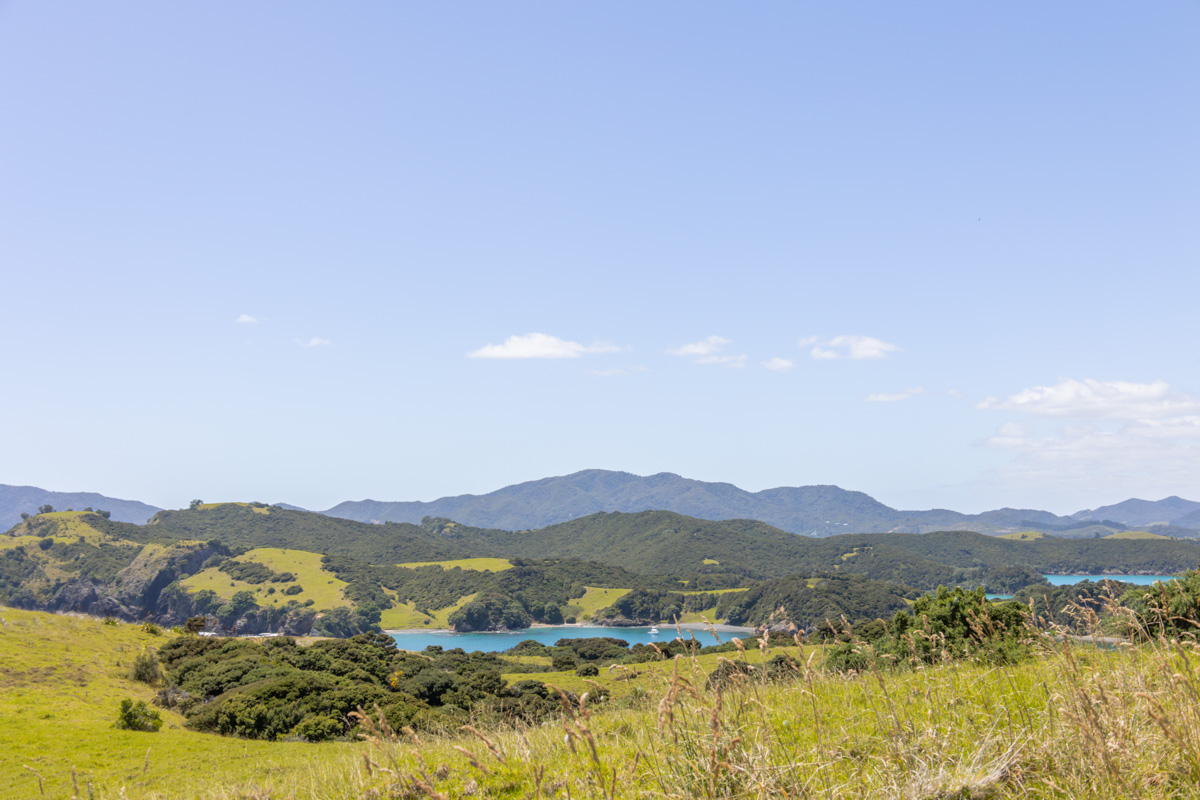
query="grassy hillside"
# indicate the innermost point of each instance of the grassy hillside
(60, 686)
(1071, 722)
(245, 525)
(322, 587)
(476, 564)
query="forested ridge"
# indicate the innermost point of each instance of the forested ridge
(659, 561)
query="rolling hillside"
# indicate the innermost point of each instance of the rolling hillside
(808, 510)
(15, 500)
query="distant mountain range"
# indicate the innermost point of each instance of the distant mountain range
(807, 510)
(15, 500)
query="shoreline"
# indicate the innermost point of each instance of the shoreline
(666, 627)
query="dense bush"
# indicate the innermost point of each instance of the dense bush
(944, 625)
(145, 668)
(275, 688)
(1167, 608)
(137, 716)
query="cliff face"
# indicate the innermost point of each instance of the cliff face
(136, 590)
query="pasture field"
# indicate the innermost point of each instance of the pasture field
(1023, 536)
(405, 615)
(592, 601)
(61, 680)
(473, 564)
(1072, 721)
(320, 586)
(1136, 535)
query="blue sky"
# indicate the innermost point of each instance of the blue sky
(942, 253)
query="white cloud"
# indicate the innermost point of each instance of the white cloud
(246, 319)
(894, 397)
(1117, 439)
(955, 393)
(709, 351)
(779, 364)
(540, 345)
(705, 347)
(847, 346)
(313, 342)
(1100, 462)
(1094, 399)
(806, 341)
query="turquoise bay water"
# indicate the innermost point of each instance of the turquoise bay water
(497, 641)
(1140, 580)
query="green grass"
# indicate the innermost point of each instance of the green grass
(1070, 722)
(1023, 536)
(592, 601)
(1136, 535)
(322, 587)
(405, 615)
(61, 682)
(719, 591)
(472, 564)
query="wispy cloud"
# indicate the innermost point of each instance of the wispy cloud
(894, 397)
(540, 345)
(847, 346)
(1092, 399)
(1115, 439)
(710, 351)
(778, 364)
(246, 319)
(313, 342)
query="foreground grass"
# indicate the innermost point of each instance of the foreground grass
(1071, 722)
(61, 680)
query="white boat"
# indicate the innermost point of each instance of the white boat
(654, 631)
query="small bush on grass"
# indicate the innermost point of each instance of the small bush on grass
(145, 668)
(138, 716)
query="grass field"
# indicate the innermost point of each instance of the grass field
(61, 679)
(1136, 535)
(404, 615)
(592, 601)
(1071, 722)
(322, 587)
(472, 564)
(1023, 536)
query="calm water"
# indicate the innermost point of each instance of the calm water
(494, 642)
(1140, 580)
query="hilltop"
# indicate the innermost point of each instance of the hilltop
(807, 510)
(16, 500)
(252, 567)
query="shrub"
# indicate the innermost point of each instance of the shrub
(562, 662)
(109, 621)
(151, 628)
(319, 728)
(138, 716)
(294, 589)
(588, 671)
(145, 668)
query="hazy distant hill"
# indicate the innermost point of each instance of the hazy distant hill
(810, 510)
(1168, 511)
(17, 499)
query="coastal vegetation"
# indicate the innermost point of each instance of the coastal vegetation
(953, 697)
